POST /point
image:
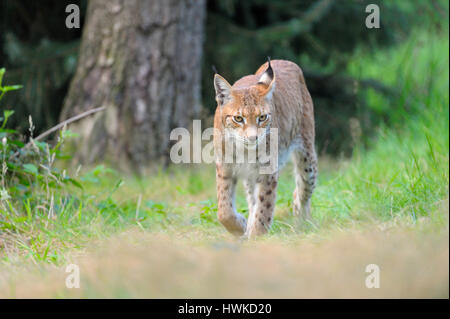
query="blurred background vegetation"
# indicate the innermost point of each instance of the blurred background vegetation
(321, 36)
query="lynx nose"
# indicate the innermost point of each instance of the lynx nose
(252, 138)
(252, 134)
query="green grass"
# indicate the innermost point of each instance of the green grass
(402, 175)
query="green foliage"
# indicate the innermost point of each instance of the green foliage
(208, 211)
(41, 53)
(26, 167)
(31, 186)
(44, 82)
(3, 90)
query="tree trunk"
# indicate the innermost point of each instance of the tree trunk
(142, 60)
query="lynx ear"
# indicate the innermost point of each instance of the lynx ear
(268, 80)
(223, 90)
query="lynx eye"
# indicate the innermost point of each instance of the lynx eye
(262, 118)
(238, 119)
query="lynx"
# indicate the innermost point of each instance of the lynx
(275, 96)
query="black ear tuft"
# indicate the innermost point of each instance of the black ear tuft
(214, 69)
(269, 68)
(267, 77)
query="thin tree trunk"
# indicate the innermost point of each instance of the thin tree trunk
(142, 60)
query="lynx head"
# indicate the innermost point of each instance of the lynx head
(246, 109)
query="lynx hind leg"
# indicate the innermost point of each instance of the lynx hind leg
(262, 216)
(234, 222)
(305, 163)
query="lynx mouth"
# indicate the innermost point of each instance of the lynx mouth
(245, 142)
(251, 145)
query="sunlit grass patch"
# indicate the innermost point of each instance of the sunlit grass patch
(136, 263)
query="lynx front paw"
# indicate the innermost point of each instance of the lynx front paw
(235, 223)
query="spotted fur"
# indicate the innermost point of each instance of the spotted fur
(275, 96)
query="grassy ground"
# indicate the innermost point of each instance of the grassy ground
(159, 236)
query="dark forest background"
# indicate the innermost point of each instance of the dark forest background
(39, 52)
